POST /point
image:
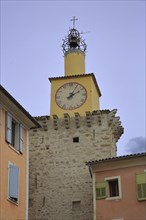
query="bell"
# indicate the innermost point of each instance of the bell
(73, 42)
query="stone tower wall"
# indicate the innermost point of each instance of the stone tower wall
(60, 182)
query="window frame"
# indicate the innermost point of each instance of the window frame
(108, 179)
(105, 185)
(14, 133)
(113, 188)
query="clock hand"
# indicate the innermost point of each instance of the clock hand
(72, 94)
(74, 88)
(77, 91)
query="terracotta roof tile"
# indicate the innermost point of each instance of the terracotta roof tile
(89, 163)
(78, 76)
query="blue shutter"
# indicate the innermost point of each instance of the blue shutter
(13, 182)
(8, 128)
(21, 138)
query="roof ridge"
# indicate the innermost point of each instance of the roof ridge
(116, 158)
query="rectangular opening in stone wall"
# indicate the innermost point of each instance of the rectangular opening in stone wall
(76, 205)
(75, 139)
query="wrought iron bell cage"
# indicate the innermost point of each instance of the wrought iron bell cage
(73, 41)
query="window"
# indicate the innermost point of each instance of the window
(113, 188)
(13, 178)
(141, 186)
(109, 189)
(14, 133)
(75, 139)
(76, 205)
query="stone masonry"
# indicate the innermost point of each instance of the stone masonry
(60, 186)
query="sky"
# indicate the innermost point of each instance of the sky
(114, 31)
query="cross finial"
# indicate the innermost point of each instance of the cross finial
(73, 20)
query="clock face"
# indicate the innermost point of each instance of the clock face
(71, 96)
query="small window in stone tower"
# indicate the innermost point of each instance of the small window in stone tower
(76, 205)
(75, 139)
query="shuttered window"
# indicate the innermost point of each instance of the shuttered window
(21, 139)
(141, 186)
(8, 128)
(110, 188)
(13, 182)
(101, 190)
(14, 133)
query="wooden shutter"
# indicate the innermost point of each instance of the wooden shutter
(8, 128)
(21, 139)
(13, 182)
(101, 190)
(141, 186)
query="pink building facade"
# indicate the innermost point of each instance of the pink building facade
(119, 187)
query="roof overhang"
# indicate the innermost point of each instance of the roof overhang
(117, 162)
(10, 104)
(78, 76)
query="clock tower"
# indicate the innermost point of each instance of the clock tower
(77, 131)
(75, 91)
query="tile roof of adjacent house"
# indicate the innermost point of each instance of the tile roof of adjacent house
(11, 98)
(90, 163)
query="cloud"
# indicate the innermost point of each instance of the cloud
(136, 145)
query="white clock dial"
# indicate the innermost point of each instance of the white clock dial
(71, 96)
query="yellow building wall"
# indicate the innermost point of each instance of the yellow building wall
(74, 63)
(91, 104)
(95, 97)
(9, 210)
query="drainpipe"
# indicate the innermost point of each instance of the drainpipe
(94, 195)
(93, 176)
(27, 173)
(0, 157)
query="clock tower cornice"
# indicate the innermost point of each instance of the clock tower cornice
(76, 77)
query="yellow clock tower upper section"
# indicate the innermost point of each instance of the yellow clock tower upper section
(74, 48)
(76, 92)
(74, 62)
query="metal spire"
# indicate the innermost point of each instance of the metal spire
(73, 40)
